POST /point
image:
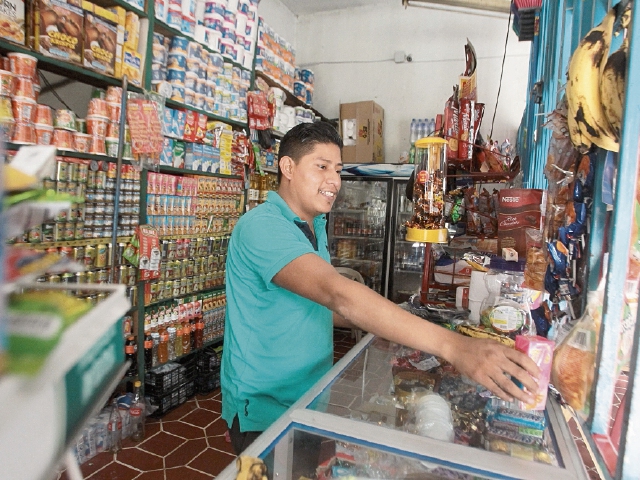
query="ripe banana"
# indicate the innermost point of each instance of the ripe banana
(613, 81)
(587, 120)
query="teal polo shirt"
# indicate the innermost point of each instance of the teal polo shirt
(277, 344)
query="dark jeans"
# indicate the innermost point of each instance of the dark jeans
(241, 440)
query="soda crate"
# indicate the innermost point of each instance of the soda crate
(172, 399)
(189, 362)
(208, 382)
(164, 378)
(210, 359)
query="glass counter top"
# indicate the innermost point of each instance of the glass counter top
(389, 385)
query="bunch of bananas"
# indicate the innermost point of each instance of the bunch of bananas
(595, 86)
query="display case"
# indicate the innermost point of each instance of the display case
(355, 418)
(358, 229)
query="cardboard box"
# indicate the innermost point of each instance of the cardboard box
(100, 43)
(59, 30)
(12, 25)
(518, 209)
(362, 130)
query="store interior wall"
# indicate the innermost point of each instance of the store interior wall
(351, 52)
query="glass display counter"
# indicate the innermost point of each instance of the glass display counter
(366, 419)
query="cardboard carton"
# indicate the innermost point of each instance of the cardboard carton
(362, 130)
(12, 25)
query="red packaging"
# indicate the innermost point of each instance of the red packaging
(190, 126)
(148, 252)
(540, 350)
(465, 129)
(450, 126)
(201, 128)
(518, 209)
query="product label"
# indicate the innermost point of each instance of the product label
(38, 325)
(505, 318)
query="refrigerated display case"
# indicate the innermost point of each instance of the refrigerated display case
(358, 229)
(355, 417)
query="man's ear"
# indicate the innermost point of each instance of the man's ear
(286, 166)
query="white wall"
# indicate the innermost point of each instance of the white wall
(280, 19)
(351, 53)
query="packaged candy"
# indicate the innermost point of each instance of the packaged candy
(540, 350)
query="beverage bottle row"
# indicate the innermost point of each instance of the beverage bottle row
(171, 340)
(421, 127)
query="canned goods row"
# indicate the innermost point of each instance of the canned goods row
(182, 225)
(90, 276)
(55, 232)
(72, 172)
(172, 269)
(171, 205)
(109, 195)
(193, 247)
(163, 290)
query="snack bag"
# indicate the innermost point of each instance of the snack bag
(540, 350)
(574, 363)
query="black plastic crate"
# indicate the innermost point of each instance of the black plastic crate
(189, 362)
(209, 360)
(208, 382)
(164, 378)
(172, 399)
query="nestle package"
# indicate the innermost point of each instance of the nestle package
(59, 30)
(518, 209)
(540, 350)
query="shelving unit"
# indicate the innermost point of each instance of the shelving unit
(183, 171)
(178, 105)
(73, 154)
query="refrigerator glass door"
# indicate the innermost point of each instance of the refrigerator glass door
(407, 258)
(357, 229)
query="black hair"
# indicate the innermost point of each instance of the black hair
(302, 139)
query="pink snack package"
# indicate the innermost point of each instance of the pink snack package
(540, 350)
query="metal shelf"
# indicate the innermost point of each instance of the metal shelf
(219, 288)
(183, 171)
(234, 123)
(355, 260)
(76, 72)
(121, 3)
(349, 210)
(70, 243)
(401, 270)
(72, 154)
(361, 237)
(291, 100)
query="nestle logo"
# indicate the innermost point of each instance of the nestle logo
(511, 199)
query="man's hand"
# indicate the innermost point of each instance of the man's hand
(487, 362)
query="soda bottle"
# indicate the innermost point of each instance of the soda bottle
(199, 334)
(178, 343)
(163, 348)
(156, 343)
(148, 350)
(171, 331)
(186, 338)
(130, 349)
(115, 428)
(137, 413)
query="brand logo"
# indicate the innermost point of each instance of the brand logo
(511, 199)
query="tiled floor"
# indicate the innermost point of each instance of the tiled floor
(188, 443)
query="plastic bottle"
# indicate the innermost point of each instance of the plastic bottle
(199, 334)
(130, 355)
(178, 341)
(156, 343)
(115, 428)
(163, 348)
(186, 338)
(171, 351)
(148, 350)
(137, 413)
(413, 132)
(432, 126)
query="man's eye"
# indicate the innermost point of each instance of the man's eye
(322, 166)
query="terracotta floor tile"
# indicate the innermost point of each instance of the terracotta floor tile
(96, 463)
(63, 476)
(185, 453)
(155, 475)
(217, 428)
(210, 461)
(213, 405)
(139, 459)
(220, 444)
(115, 471)
(200, 418)
(185, 473)
(184, 430)
(181, 411)
(208, 396)
(162, 444)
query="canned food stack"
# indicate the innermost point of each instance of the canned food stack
(275, 57)
(181, 275)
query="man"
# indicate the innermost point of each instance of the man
(284, 297)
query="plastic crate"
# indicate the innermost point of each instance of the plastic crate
(208, 382)
(209, 360)
(164, 378)
(189, 362)
(172, 399)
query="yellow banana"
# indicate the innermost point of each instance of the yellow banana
(613, 80)
(587, 121)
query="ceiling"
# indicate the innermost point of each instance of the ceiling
(308, 7)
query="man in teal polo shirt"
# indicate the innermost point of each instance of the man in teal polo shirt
(284, 297)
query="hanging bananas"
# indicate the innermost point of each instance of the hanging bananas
(588, 123)
(613, 80)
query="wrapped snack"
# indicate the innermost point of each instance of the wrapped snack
(502, 411)
(536, 263)
(540, 350)
(521, 451)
